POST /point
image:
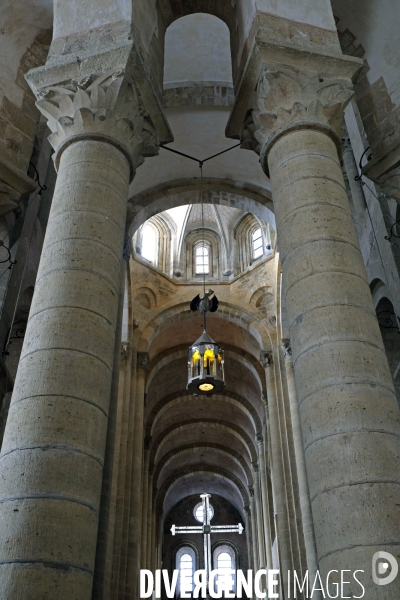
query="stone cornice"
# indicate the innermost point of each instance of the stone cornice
(199, 94)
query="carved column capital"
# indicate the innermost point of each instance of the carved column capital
(259, 439)
(287, 349)
(264, 398)
(384, 169)
(346, 145)
(390, 184)
(124, 351)
(254, 467)
(143, 360)
(251, 492)
(105, 107)
(266, 359)
(13, 184)
(290, 98)
(8, 198)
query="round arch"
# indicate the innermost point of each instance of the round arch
(182, 397)
(161, 440)
(217, 481)
(218, 449)
(180, 192)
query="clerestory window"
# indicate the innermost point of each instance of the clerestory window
(202, 260)
(150, 243)
(257, 243)
(225, 562)
(185, 564)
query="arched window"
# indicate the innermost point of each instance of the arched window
(202, 260)
(149, 243)
(257, 241)
(186, 565)
(225, 562)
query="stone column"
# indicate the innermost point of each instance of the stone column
(304, 494)
(153, 563)
(54, 443)
(135, 521)
(149, 519)
(265, 502)
(160, 533)
(260, 525)
(348, 410)
(254, 535)
(358, 203)
(249, 539)
(145, 505)
(277, 474)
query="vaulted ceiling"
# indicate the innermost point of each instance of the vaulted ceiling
(199, 443)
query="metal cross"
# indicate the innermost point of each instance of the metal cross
(206, 529)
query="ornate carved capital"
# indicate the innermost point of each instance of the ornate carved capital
(255, 467)
(251, 492)
(291, 98)
(384, 170)
(266, 359)
(13, 184)
(8, 199)
(104, 107)
(124, 351)
(390, 184)
(346, 145)
(287, 349)
(259, 439)
(143, 360)
(264, 398)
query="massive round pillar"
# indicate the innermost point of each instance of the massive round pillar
(54, 444)
(349, 415)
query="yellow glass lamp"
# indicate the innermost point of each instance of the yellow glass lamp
(205, 367)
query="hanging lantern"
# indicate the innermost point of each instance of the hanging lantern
(205, 366)
(205, 357)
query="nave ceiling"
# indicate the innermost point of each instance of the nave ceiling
(202, 443)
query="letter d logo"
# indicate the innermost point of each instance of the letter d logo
(380, 568)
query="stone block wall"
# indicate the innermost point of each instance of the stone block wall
(380, 115)
(19, 118)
